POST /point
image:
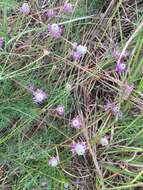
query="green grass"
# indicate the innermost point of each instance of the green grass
(31, 134)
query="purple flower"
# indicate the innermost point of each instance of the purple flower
(39, 96)
(1, 42)
(127, 90)
(54, 30)
(76, 122)
(120, 67)
(114, 109)
(60, 110)
(25, 9)
(79, 148)
(78, 51)
(51, 13)
(54, 161)
(68, 8)
(75, 55)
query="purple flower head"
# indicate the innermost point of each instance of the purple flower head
(51, 13)
(115, 110)
(68, 8)
(54, 30)
(39, 96)
(54, 161)
(127, 90)
(60, 110)
(78, 51)
(79, 148)
(25, 9)
(75, 55)
(120, 67)
(76, 122)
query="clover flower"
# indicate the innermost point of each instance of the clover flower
(51, 13)
(76, 122)
(54, 30)
(79, 148)
(25, 9)
(127, 90)
(120, 67)
(78, 51)
(75, 55)
(54, 161)
(104, 141)
(68, 8)
(1, 42)
(115, 110)
(39, 96)
(60, 110)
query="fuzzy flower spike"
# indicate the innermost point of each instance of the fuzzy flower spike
(25, 9)
(39, 96)
(55, 30)
(79, 148)
(54, 161)
(68, 8)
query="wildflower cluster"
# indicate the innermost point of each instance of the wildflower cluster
(77, 53)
